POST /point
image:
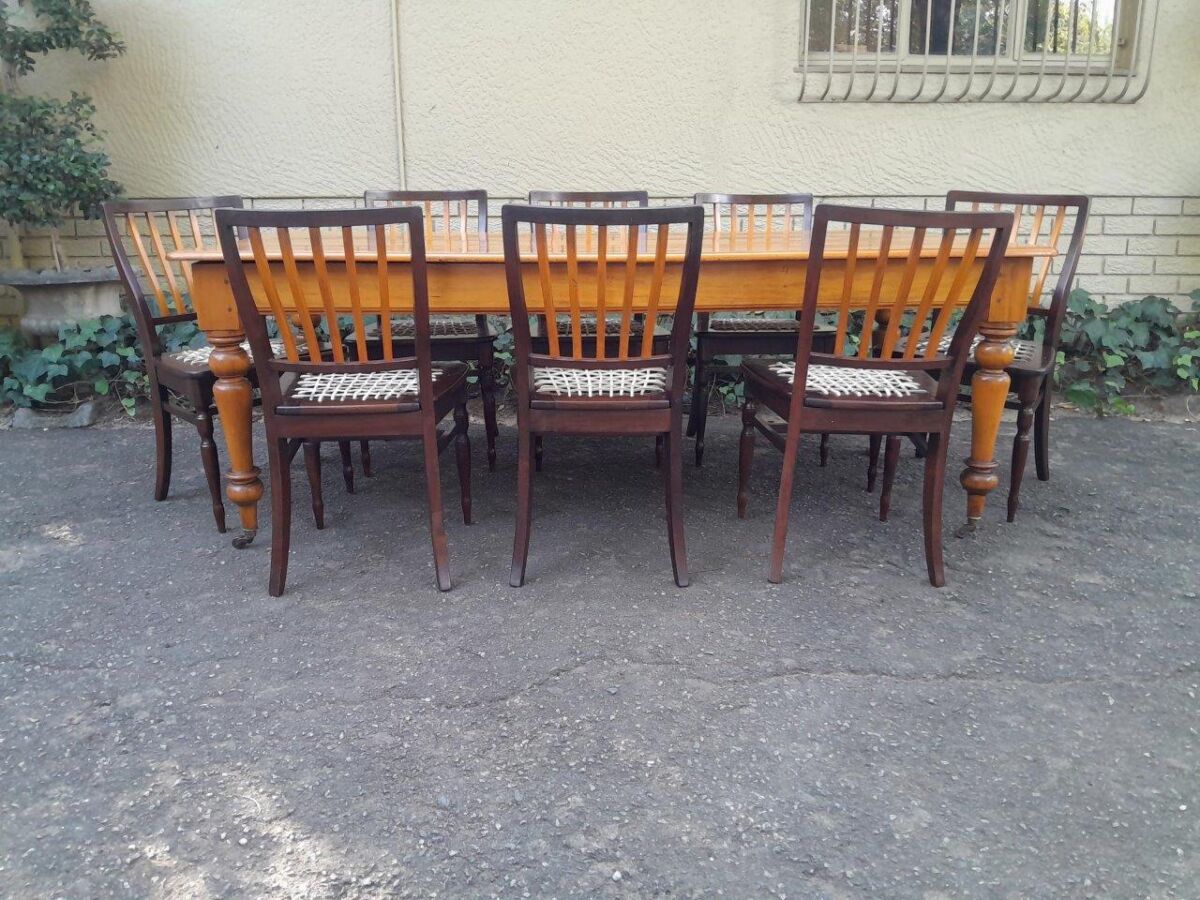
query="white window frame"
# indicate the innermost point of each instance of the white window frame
(1134, 27)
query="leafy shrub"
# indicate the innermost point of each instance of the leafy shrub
(1106, 354)
(51, 160)
(96, 357)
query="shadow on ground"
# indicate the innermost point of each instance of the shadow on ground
(169, 730)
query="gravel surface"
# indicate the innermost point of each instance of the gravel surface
(169, 730)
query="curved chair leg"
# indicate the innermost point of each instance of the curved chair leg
(873, 461)
(824, 450)
(348, 464)
(162, 450)
(520, 555)
(312, 466)
(658, 451)
(433, 491)
(462, 453)
(745, 455)
(281, 514)
(674, 485)
(1027, 396)
(891, 455)
(931, 497)
(212, 466)
(537, 453)
(920, 444)
(1041, 435)
(364, 450)
(487, 390)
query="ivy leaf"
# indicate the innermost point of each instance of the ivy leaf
(1153, 359)
(109, 359)
(53, 353)
(37, 392)
(100, 385)
(1094, 330)
(1082, 394)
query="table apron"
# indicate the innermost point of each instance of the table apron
(480, 287)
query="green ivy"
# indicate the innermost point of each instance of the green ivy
(94, 358)
(1106, 354)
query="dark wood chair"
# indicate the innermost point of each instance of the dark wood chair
(887, 386)
(349, 396)
(538, 334)
(745, 334)
(452, 339)
(1038, 219)
(634, 391)
(158, 293)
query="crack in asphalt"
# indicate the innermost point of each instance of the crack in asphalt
(425, 698)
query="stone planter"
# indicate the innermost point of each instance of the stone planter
(53, 299)
(82, 416)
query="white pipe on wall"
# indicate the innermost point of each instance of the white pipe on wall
(398, 88)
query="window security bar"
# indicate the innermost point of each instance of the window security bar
(976, 51)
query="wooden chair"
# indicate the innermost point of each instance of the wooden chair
(451, 339)
(348, 397)
(1038, 219)
(745, 334)
(569, 390)
(181, 384)
(538, 336)
(884, 387)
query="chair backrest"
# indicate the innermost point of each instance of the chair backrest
(745, 214)
(349, 252)
(1040, 219)
(628, 236)
(455, 210)
(760, 215)
(141, 234)
(948, 257)
(589, 199)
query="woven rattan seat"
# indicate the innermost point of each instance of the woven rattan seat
(564, 382)
(846, 381)
(438, 328)
(587, 327)
(194, 360)
(1026, 351)
(752, 323)
(395, 390)
(339, 386)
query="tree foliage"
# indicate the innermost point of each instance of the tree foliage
(51, 160)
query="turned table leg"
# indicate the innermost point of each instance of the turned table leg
(989, 390)
(235, 399)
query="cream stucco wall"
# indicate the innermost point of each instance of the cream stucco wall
(257, 97)
(295, 98)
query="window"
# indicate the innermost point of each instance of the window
(976, 50)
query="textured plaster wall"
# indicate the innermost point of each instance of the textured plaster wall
(680, 95)
(258, 97)
(294, 98)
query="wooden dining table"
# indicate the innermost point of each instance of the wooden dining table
(748, 270)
